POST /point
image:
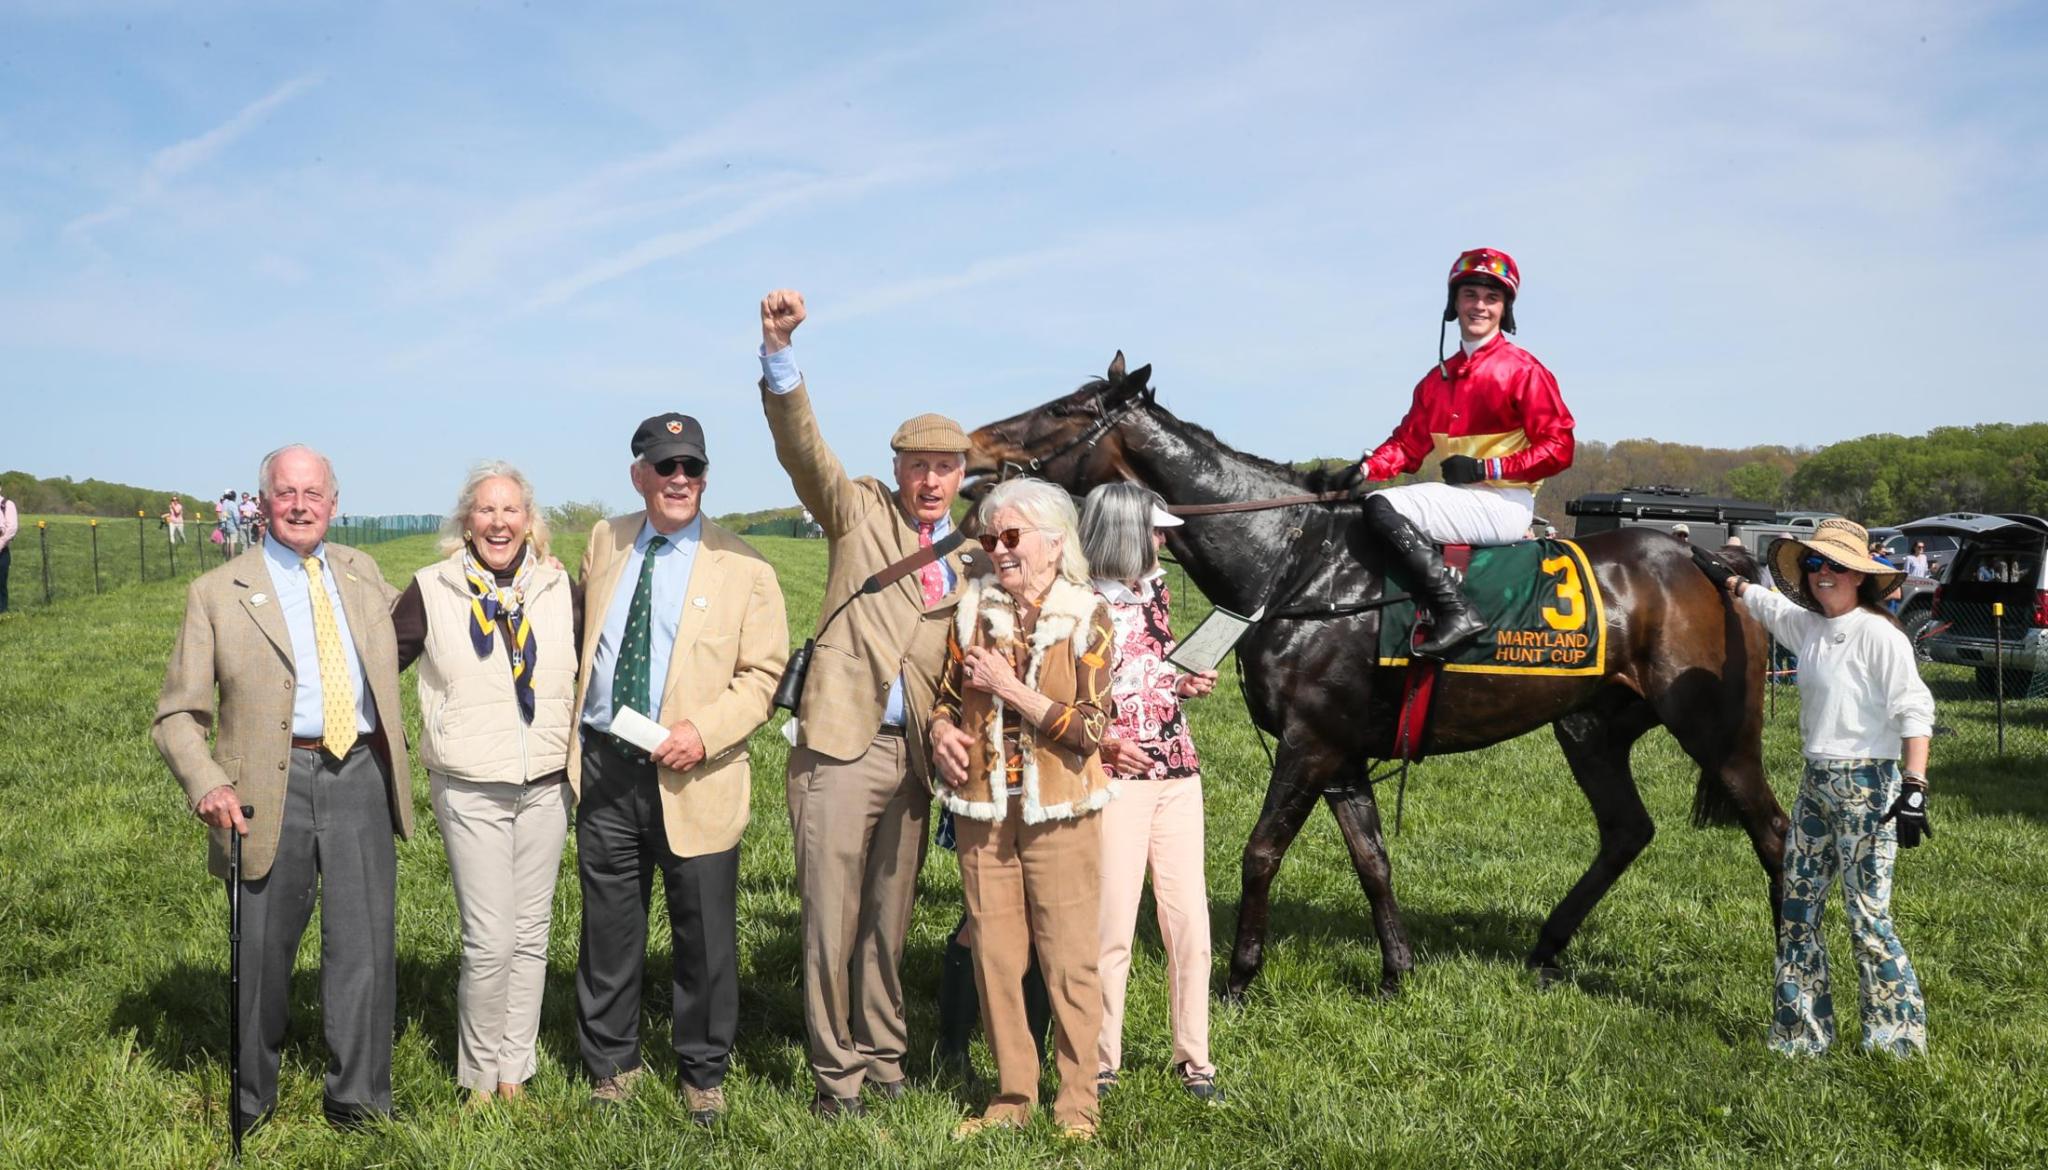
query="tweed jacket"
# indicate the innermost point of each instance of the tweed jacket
(878, 637)
(234, 656)
(731, 643)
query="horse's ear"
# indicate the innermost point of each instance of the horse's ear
(1139, 377)
(1116, 367)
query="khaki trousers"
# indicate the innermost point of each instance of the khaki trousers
(1157, 824)
(504, 853)
(859, 827)
(1037, 884)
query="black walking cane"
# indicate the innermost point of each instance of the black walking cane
(235, 987)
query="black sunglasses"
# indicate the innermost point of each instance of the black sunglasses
(1814, 563)
(1008, 538)
(690, 467)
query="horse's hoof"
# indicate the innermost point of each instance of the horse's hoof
(1231, 997)
(1548, 975)
(1390, 986)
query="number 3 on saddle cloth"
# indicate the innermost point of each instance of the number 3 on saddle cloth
(1543, 617)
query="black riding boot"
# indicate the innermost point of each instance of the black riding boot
(1456, 622)
(959, 1009)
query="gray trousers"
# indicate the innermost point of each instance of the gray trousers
(620, 843)
(336, 841)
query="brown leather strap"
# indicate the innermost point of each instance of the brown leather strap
(1258, 505)
(891, 574)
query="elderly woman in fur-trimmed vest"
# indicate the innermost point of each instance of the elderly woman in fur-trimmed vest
(1016, 733)
(494, 628)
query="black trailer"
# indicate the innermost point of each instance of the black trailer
(1708, 520)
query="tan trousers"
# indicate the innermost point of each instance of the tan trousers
(504, 846)
(1157, 824)
(859, 827)
(1041, 884)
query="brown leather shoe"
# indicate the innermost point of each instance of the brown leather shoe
(1078, 1131)
(706, 1106)
(616, 1089)
(887, 1090)
(826, 1107)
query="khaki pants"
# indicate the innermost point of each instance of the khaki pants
(504, 852)
(1157, 824)
(1026, 885)
(859, 828)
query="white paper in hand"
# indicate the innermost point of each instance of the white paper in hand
(638, 729)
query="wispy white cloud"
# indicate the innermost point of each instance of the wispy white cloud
(181, 158)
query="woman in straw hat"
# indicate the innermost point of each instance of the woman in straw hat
(1862, 708)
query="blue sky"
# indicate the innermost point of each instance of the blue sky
(421, 234)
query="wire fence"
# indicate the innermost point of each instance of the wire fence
(61, 558)
(1986, 665)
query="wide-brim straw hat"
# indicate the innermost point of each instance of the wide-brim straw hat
(1841, 541)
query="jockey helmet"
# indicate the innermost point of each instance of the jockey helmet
(1492, 266)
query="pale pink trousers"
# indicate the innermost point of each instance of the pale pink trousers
(1157, 825)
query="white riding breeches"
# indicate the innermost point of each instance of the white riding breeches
(1464, 514)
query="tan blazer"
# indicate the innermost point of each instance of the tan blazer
(729, 652)
(234, 651)
(878, 637)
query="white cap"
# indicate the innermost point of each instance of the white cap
(1680, 530)
(1161, 518)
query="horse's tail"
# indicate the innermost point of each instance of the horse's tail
(1712, 803)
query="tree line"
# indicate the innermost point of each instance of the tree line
(63, 496)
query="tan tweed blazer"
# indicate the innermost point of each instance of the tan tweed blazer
(731, 643)
(877, 637)
(234, 656)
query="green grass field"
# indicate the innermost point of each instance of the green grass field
(113, 972)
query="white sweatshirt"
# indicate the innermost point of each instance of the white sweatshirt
(1859, 690)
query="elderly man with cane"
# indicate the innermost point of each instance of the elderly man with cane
(859, 797)
(290, 646)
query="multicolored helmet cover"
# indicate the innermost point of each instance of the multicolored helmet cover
(1487, 263)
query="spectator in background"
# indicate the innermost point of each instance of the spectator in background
(1916, 561)
(10, 523)
(1681, 533)
(251, 520)
(229, 512)
(174, 519)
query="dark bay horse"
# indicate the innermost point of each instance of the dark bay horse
(1677, 655)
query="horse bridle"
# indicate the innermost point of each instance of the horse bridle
(1106, 420)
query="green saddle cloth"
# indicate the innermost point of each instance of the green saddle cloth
(1543, 611)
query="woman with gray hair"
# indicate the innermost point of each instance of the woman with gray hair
(1156, 822)
(1022, 705)
(495, 629)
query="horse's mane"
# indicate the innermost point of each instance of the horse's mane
(1323, 477)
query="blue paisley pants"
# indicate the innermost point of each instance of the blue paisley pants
(1835, 830)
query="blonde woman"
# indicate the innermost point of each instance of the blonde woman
(1016, 732)
(494, 628)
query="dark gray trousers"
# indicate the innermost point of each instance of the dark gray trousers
(620, 842)
(336, 840)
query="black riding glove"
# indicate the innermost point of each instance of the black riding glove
(1463, 469)
(1717, 572)
(1910, 809)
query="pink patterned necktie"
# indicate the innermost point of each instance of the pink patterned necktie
(931, 576)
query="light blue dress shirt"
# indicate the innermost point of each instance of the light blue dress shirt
(295, 604)
(671, 582)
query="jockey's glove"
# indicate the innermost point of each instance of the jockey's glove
(1910, 810)
(1463, 469)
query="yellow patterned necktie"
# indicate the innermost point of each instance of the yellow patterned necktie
(337, 693)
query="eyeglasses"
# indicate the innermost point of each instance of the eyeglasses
(690, 467)
(1814, 563)
(1008, 538)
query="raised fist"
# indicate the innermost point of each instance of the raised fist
(781, 312)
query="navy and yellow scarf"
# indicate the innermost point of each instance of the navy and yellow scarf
(488, 602)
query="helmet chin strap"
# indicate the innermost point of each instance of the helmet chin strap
(1442, 371)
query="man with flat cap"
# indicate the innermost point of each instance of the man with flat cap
(287, 654)
(859, 797)
(684, 625)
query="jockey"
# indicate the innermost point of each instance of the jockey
(1492, 411)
